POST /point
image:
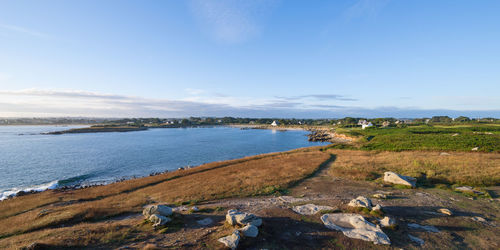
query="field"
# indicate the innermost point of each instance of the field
(426, 137)
(430, 168)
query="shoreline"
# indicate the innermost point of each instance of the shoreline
(54, 185)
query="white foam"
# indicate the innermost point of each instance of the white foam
(13, 192)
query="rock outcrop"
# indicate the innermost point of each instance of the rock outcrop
(355, 226)
(249, 221)
(235, 217)
(310, 209)
(157, 209)
(391, 177)
(250, 231)
(232, 240)
(379, 196)
(445, 211)
(361, 201)
(467, 189)
(387, 222)
(159, 220)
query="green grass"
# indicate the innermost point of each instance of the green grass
(426, 137)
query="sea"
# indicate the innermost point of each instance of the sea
(33, 161)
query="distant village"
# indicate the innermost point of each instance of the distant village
(201, 121)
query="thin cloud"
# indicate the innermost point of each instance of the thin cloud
(317, 97)
(231, 21)
(365, 8)
(23, 30)
(50, 103)
(327, 106)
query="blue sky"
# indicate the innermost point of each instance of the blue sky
(273, 58)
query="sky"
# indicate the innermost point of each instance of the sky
(249, 58)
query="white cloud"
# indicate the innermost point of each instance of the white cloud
(40, 103)
(231, 21)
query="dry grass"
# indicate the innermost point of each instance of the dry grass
(475, 169)
(85, 213)
(262, 174)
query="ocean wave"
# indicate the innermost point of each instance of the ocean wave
(38, 188)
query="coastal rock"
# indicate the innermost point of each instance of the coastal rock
(361, 201)
(378, 207)
(425, 228)
(232, 240)
(394, 178)
(467, 189)
(417, 240)
(387, 222)
(475, 149)
(379, 196)
(355, 226)
(310, 209)
(250, 231)
(290, 199)
(445, 211)
(157, 209)
(159, 220)
(180, 209)
(234, 217)
(482, 220)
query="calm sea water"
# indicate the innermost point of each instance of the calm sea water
(32, 161)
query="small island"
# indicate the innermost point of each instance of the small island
(98, 129)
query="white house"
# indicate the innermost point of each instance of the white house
(365, 124)
(274, 124)
(369, 124)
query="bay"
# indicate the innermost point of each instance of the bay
(30, 160)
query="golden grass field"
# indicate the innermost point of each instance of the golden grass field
(84, 217)
(462, 168)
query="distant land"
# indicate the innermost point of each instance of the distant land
(201, 121)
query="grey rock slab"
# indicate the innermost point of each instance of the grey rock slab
(387, 222)
(234, 217)
(157, 209)
(355, 226)
(249, 231)
(394, 178)
(231, 241)
(467, 189)
(290, 199)
(361, 201)
(310, 209)
(159, 220)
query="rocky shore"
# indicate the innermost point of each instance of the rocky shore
(325, 135)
